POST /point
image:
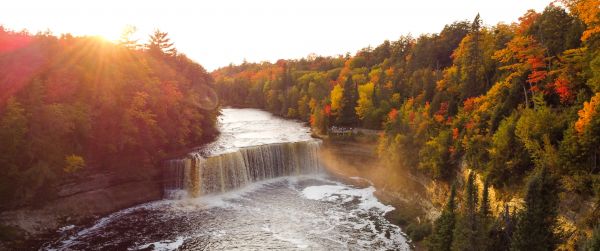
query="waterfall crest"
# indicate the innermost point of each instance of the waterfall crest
(199, 175)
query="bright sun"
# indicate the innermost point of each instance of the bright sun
(108, 33)
(110, 36)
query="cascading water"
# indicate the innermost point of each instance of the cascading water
(257, 187)
(199, 175)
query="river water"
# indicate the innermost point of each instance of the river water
(225, 197)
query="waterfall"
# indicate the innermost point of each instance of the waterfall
(199, 175)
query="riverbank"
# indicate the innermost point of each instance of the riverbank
(81, 200)
(417, 199)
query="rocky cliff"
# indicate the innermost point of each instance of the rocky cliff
(89, 195)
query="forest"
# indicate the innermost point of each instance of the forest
(517, 104)
(70, 105)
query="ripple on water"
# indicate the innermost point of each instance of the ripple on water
(289, 213)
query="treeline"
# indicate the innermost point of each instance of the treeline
(69, 104)
(508, 101)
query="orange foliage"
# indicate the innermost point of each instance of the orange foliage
(589, 12)
(443, 109)
(389, 72)
(526, 55)
(411, 117)
(455, 133)
(327, 110)
(438, 118)
(470, 125)
(527, 20)
(536, 76)
(590, 109)
(393, 114)
(469, 104)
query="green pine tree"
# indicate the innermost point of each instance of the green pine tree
(347, 115)
(467, 234)
(536, 223)
(441, 239)
(485, 210)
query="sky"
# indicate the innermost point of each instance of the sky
(219, 32)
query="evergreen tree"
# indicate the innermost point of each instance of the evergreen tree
(467, 233)
(126, 40)
(469, 59)
(485, 210)
(500, 232)
(347, 115)
(441, 238)
(13, 132)
(536, 224)
(160, 44)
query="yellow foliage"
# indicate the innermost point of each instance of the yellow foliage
(589, 12)
(73, 163)
(365, 100)
(336, 97)
(587, 113)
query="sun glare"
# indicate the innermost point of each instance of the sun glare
(109, 35)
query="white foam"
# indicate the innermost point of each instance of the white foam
(107, 220)
(367, 199)
(226, 200)
(166, 245)
(66, 228)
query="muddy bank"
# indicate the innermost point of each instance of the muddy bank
(90, 195)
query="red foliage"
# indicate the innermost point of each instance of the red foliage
(393, 114)
(527, 20)
(312, 120)
(562, 87)
(411, 117)
(455, 133)
(327, 110)
(536, 75)
(443, 109)
(470, 125)
(10, 41)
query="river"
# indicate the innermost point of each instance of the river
(259, 186)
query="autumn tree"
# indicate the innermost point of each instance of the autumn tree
(365, 106)
(160, 44)
(588, 12)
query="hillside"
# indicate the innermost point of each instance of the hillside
(515, 104)
(76, 105)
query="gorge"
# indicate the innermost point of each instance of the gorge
(259, 185)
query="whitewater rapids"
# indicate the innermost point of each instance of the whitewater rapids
(259, 186)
